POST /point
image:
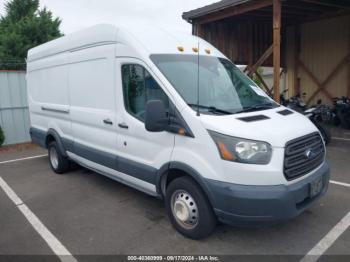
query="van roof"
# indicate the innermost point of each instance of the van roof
(91, 36)
(150, 38)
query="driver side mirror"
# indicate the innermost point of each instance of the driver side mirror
(156, 120)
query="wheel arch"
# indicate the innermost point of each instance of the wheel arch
(53, 135)
(173, 170)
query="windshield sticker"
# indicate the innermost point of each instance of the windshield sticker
(258, 91)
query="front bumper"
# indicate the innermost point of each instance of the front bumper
(242, 205)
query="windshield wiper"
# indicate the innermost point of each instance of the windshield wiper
(211, 109)
(257, 108)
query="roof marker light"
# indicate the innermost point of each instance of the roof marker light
(180, 48)
(195, 49)
(181, 131)
(208, 51)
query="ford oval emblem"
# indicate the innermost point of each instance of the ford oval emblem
(309, 154)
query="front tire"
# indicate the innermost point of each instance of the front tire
(59, 163)
(189, 209)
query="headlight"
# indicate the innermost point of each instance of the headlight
(242, 150)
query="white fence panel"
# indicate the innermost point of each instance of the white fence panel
(14, 115)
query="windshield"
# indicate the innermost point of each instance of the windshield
(223, 88)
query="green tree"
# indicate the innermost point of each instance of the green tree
(22, 27)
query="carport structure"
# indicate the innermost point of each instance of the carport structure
(307, 40)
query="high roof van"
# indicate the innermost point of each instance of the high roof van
(168, 114)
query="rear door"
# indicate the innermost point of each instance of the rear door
(142, 153)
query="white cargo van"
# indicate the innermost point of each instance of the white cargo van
(170, 115)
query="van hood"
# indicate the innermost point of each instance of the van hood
(265, 125)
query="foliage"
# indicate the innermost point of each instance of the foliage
(23, 27)
(256, 79)
(2, 136)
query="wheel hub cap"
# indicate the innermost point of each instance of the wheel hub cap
(181, 210)
(53, 157)
(184, 209)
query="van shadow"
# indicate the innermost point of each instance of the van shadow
(152, 213)
(125, 195)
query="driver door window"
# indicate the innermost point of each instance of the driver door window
(138, 88)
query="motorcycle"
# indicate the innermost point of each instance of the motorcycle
(342, 112)
(295, 102)
(325, 113)
(316, 114)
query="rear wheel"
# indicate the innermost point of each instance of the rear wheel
(189, 209)
(59, 163)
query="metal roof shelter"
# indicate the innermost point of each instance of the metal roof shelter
(273, 32)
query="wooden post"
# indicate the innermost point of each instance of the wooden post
(297, 50)
(276, 48)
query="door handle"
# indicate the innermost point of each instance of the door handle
(108, 121)
(123, 125)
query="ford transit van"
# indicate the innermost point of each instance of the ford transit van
(168, 114)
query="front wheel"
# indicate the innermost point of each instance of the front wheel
(189, 209)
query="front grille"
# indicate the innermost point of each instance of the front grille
(303, 155)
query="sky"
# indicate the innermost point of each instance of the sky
(78, 14)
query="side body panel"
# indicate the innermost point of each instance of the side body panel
(48, 95)
(93, 104)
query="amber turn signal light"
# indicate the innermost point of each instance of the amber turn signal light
(181, 131)
(225, 153)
